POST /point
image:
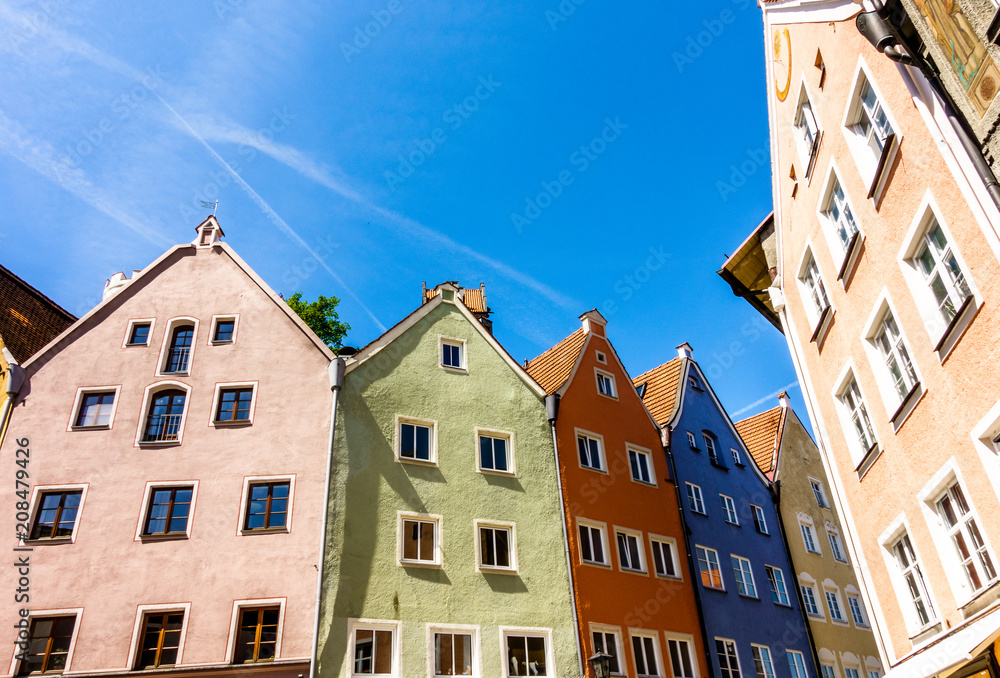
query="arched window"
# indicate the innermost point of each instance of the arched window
(163, 423)
(180, 349)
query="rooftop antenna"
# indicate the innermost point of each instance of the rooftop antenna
(215, 206)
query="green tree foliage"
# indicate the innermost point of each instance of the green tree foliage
(321, 316)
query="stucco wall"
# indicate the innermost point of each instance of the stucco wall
(799, 462)
(608, 595)
(960, 390)
(107, 572)
(370, 486)
(726, 612)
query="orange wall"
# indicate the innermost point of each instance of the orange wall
(607, 595)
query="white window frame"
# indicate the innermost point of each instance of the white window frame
(896, 530)
(168, 333)
(602, 528)
(770, 660)
(759, 519)
(831, 595)
(147, 396)
(718, 563)
(936, 324)
(438, 521)
(78, 403)
(863, 154)
(616, 632)
(34, 506)
(818, 603)
(144, 508)
(729, 510)
(511, 529)
(692, 441)
(131, 325)
(836, 543)
(670, 545)
(780, 585)
(598, 373)
(699, 499)
(736, 656)
(234, 624)
(688, 647)
(257, 480)
(844, 255)
(801, 664)
(493, 433)
(453, 341)
(941, 482)
(354, 625)
(827, 669)
(856, 606)
(861, 458)
(579, 432)
(807, 151)
(811, 284)
(742, 574)
(166, 608)
(646, 454)
(227, 386)
(646, 634)
(896, 410)
(235, 317)
(628, 533)
(453, 629)
(77, 613)
(711, 447)
(819, 492)
(416, 421)
(507, 631)
(806, 524)
(737, 457)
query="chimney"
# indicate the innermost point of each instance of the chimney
(114, 284)
(784, 400)
(685, 351)
(209, 233)
(594, 322)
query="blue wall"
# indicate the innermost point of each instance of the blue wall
(728, 614)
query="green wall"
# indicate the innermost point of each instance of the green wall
(363, 579)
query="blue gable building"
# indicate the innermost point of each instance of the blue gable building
(745, 584)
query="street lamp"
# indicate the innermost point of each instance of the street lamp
(600, 664)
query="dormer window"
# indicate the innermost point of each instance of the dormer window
(180, 350)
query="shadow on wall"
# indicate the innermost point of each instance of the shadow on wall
(355, 487)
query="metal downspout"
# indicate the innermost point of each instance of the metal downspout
(776, 498)
(336, 374)
(15, 379)
(552, 412)
(692, 565)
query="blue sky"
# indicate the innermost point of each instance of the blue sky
(568, 155)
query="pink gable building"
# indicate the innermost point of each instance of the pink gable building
(171, 447)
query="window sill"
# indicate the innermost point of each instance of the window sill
(137, 345)
(728, 522)
(93, 427)
(609, 397)
(748, 597)
(712, 588)
(594, 468)
(645, 483)
(594, 563)
(719, 466)
(850, 257)
(163, 537)
(868, 460)
(815, 617)
(452, 368)
(764, 534)
(907, 406)
(641, 573)
(699, 513)
(40, 541)
(972, 605)
(159, 443)
(819, 332)
(671, 577)
(486, 569)
(496, 472)
(420, 564)
(185, 373)
(952, 333)
(235, 423)
(417, 462)
(788, 605)
(263, 530)
(221, 342)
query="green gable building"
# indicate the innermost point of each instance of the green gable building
(445, 551)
